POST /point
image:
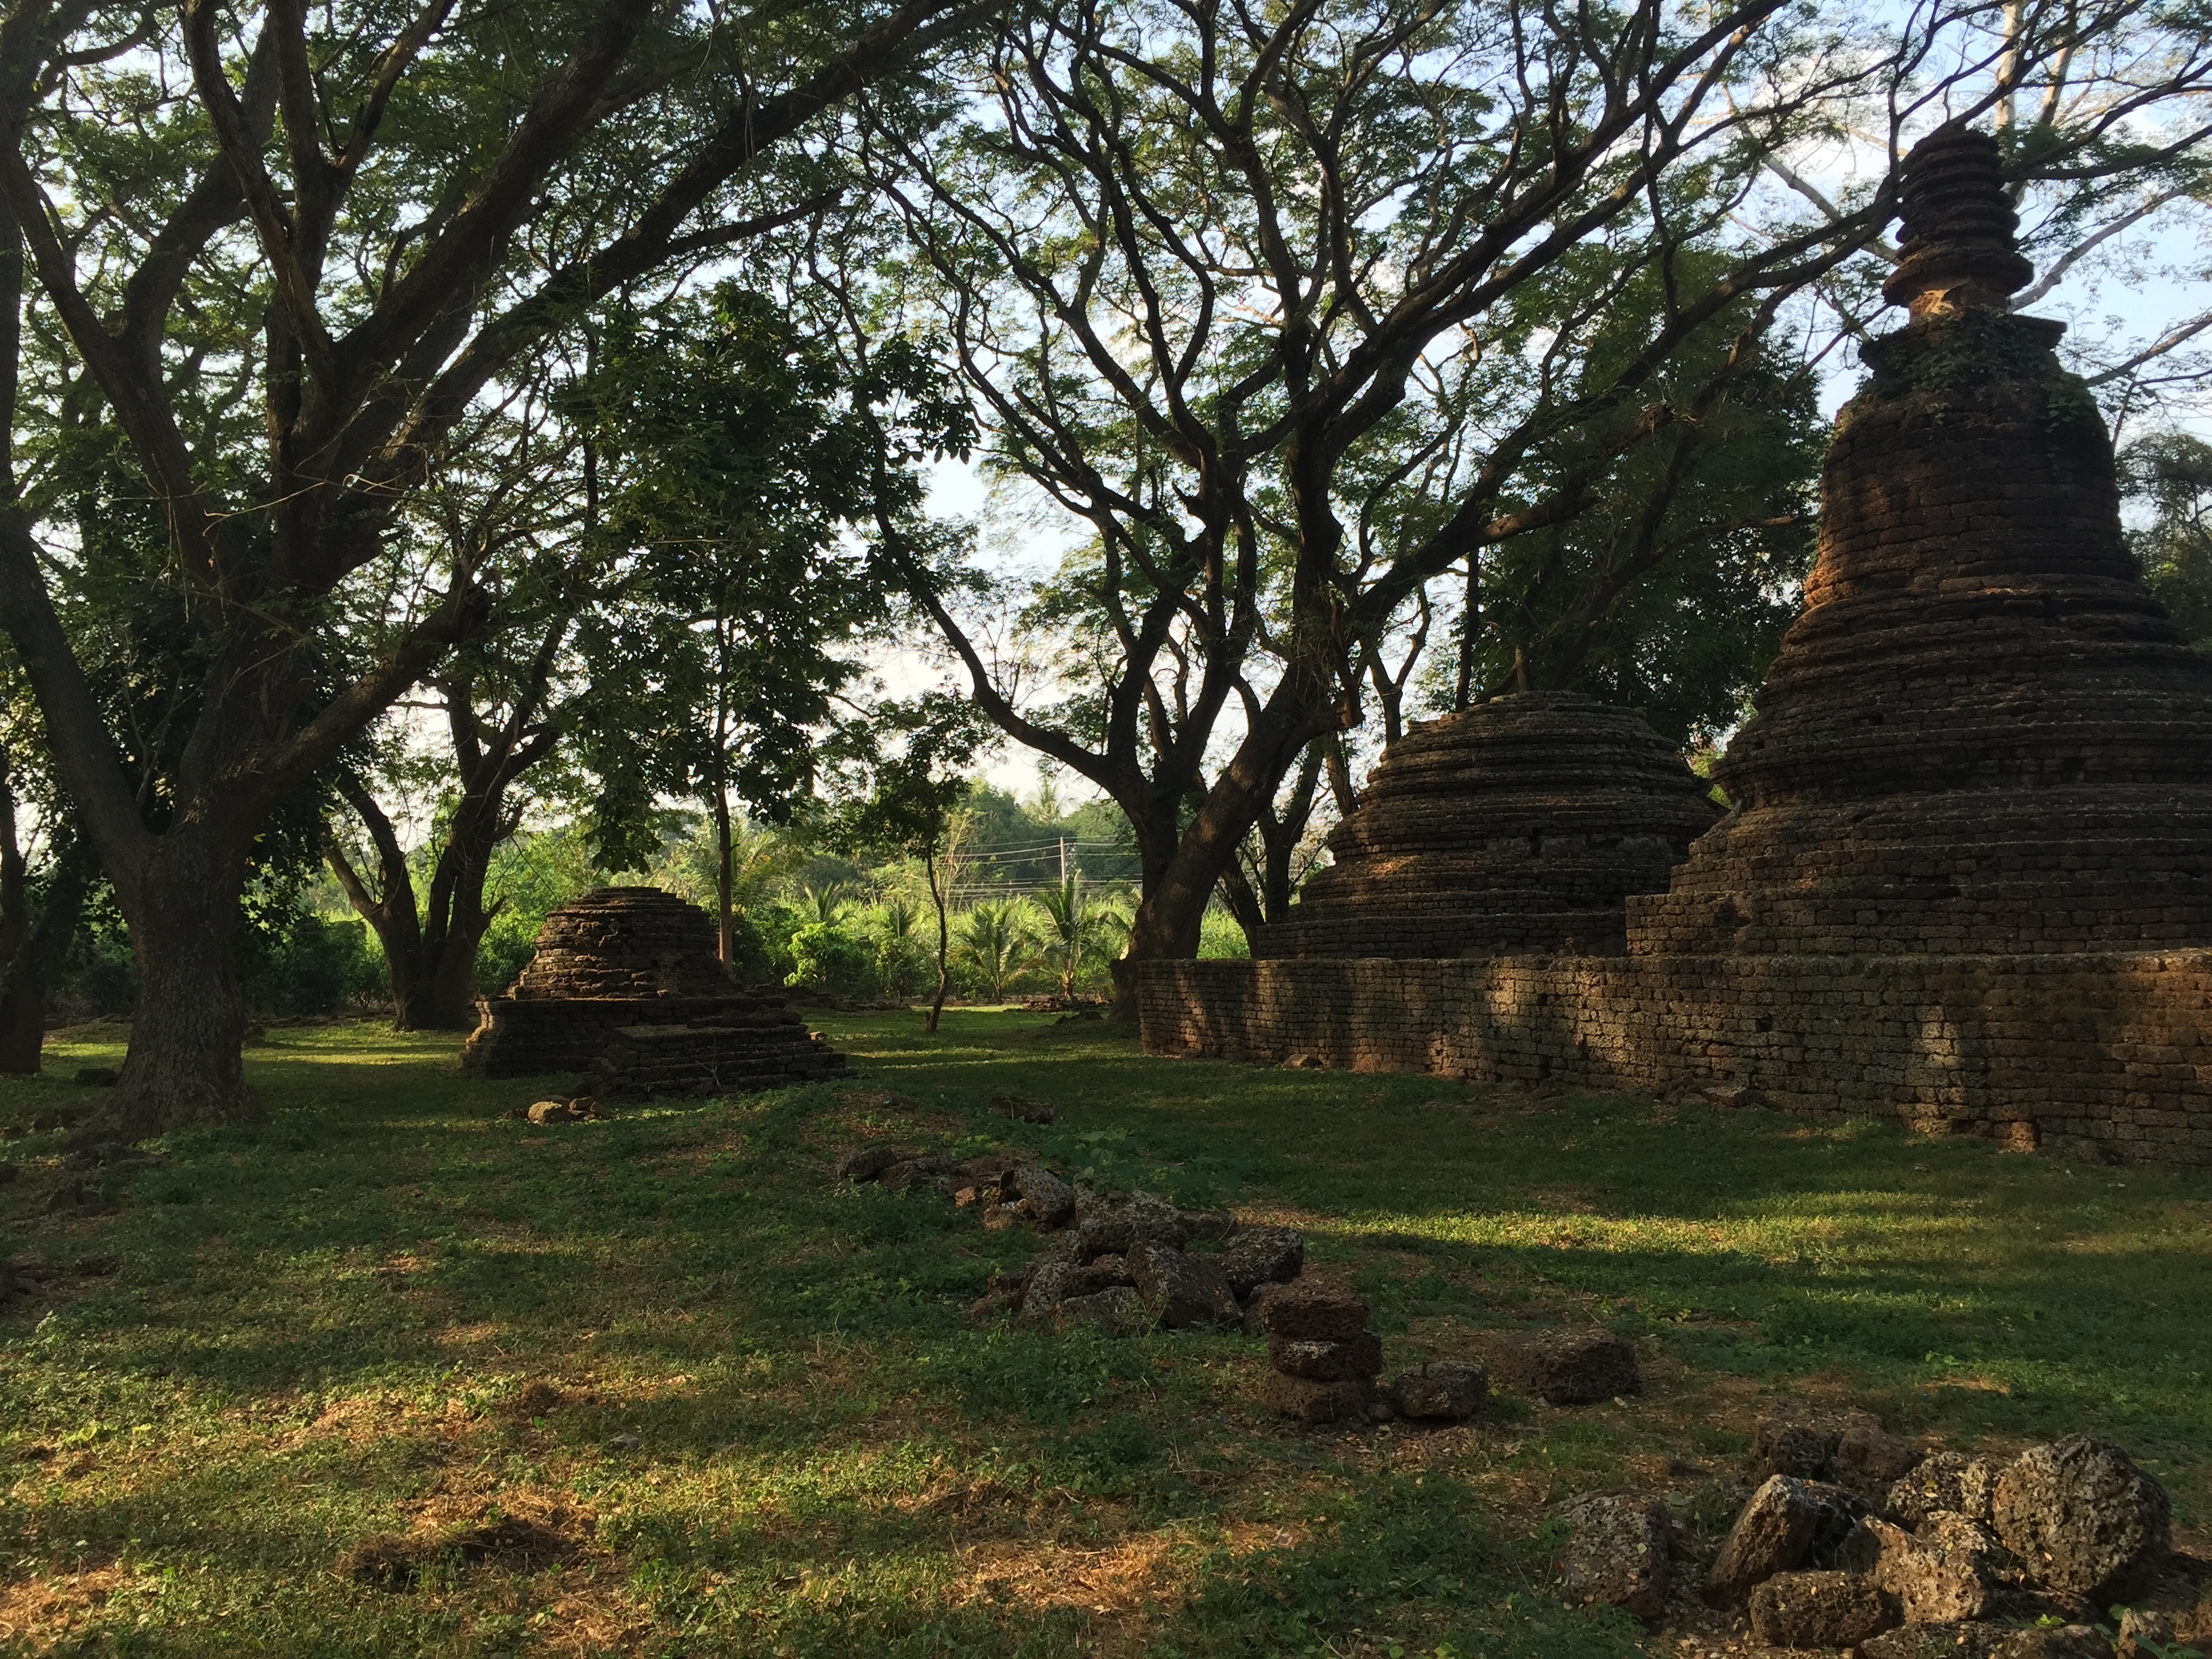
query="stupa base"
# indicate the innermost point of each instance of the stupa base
(2104, 1056)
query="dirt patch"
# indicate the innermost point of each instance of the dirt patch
(41, 1614)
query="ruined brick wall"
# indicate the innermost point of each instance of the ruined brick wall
(2101, 1055)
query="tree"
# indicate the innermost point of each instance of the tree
(1295, 311)
(995, 946)
(907, 774)
(39, 912)
(508, 695)
(1076, 933)
(2171, 476)
(736, 460)
(287, 268)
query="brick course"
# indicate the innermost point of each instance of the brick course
(2101, 1055)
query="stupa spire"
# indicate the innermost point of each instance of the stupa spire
(1959, 249)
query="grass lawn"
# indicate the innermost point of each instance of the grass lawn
(654, 1385)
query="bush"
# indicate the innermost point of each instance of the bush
(315, 965)
(829, 956)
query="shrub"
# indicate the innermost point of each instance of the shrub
(829, 956)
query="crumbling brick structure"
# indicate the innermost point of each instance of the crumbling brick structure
(1967, 877)
(626, 986)
(1520, 825)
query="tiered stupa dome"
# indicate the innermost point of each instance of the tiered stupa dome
(625, 942)
(1983, 734)
(627, 988)
(1519, 825)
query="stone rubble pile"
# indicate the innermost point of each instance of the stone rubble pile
(1856, 1541)
(1124, 1263)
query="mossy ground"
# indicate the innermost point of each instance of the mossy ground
(764, 1425)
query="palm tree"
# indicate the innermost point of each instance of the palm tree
(898, 943)
(1076, 932)
(995, 947)
(825, 904)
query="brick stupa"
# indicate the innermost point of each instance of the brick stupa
(625, 987)
(1983, 734)
(1522, 824)
(1967, 877)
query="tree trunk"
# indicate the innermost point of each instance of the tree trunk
(725, 916)
(189, 1021)
(458, 917)
(31, 967)
(937, 896)
(1169, 920)
(451, 1005)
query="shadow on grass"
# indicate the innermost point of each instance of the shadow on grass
(329, 1321)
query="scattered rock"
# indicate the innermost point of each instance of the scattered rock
(1811, 1442)
(1182, 1290)
(1967, 1641)
(1947, 1573)
(95, 1077)
(1314, 1311)
(623, 1442)
(1357, 1357)
(1256, 1309)
(1050, 1201)
(1046, 1287)
(382, 1561)
(1787, 1525)
(1022, 1110)
(2083, 1519)
(997, 1217)
(1117, 1310)
(1869, 1458)
(864, 1164)
(97, 1267)
(1944, 1480)
(2144, 1633)
(1617, 1551)
(1820, 1610)
(1115, 1226)
(1101, 1274)
(1449, 1390)
(1572, 1367)
(1261, 1255)
(2066, 1642)
(549, 1111)
(913, 1172)
(1310, 1402)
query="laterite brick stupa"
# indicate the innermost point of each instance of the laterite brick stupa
(1520, 825)
(626, 986)
(1967, 875)
(1983, 734)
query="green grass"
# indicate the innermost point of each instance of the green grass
(774, 1432)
